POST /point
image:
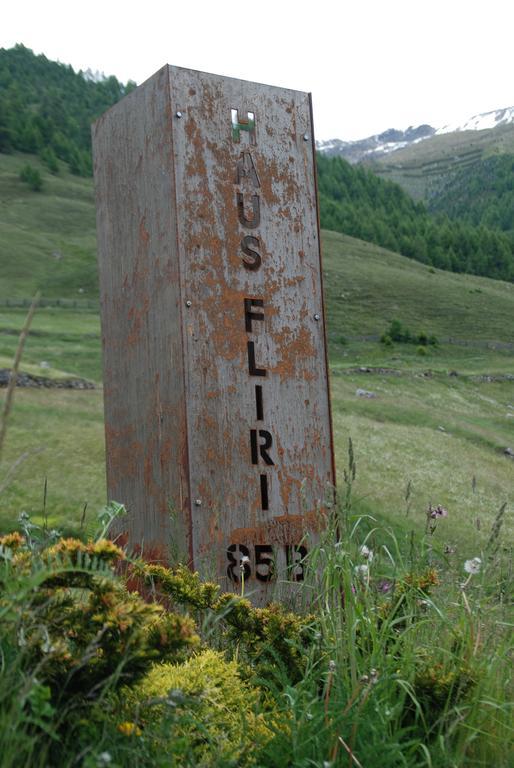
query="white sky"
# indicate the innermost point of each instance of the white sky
(370, 65)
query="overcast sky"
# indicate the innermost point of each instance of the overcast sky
(370, 65)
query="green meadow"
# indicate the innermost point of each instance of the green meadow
(434, 429)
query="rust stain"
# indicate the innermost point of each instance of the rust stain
(297, 347)
(136, 317)
(283, 529)
(144, 234)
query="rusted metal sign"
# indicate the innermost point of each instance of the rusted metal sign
(215, 377)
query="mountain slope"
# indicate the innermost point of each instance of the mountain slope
(367, 286)
(425, 168)
(47, 241)
(374, 146)
(47, 238)
(482, 194)
(47, 108)
(356, 202)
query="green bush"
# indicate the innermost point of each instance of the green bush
(211, 716)
(70, 634)
(32, 177)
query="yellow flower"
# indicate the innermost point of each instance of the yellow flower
(129, 729)
(12, 540)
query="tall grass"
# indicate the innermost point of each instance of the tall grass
(400, 656)
(413, 654)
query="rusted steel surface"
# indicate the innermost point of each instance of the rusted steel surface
(216, 392)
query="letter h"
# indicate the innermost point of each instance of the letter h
(240, 124)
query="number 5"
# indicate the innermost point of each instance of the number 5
(261, 550)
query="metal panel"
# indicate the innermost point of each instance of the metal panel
(208, 197)
(146, 436)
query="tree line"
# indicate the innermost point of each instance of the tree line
(46, 108)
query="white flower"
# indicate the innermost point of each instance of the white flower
(361, 571)
(104, 758)
(473, 566)
(245, 559)
(366, 553)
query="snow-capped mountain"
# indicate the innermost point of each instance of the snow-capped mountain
(377, 145)
(481, 122)
(374, 147)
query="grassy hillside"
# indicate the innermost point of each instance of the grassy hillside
(47, 238)
(423, 169)
(367, 286)
(438, 423)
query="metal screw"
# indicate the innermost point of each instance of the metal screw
(198, 502)
(189, 303)
(316, 316)
(178, 114)
(306, 137)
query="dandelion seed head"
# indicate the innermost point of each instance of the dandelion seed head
(473, 566)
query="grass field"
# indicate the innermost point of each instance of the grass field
(438, 423)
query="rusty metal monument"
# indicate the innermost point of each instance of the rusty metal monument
(218, 429)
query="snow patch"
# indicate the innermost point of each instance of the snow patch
(481, 122)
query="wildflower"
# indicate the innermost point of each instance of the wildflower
(366, 553)
(473, 566)
(384, 586)
(439, 511)
(331, 666)
(12, 540)
(373, 676)
(245, 559)
(361, 571)
(104, 758)
(129, 729)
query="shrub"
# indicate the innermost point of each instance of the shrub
(32, 177)
(70, 632)
(49, 158)
(210, 716)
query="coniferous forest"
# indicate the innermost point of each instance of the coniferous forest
(356, 202)
(47, 109)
